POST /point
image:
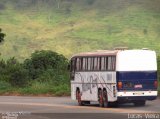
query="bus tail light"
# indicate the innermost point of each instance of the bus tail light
(156, 84)
(119, 85)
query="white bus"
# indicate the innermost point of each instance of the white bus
(112, 77)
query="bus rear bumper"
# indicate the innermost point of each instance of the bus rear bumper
(136, 95)
(134, 98)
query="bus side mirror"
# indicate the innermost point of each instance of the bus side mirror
(72, 76)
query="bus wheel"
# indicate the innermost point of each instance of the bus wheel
(100, 96)
(140, 103)
(113, 104)
(78, 95)
(105, 98)
(87, 102)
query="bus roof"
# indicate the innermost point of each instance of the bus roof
(96, 53)
(105, 53)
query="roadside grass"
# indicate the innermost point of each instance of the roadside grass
(36, 89)
(5, 88)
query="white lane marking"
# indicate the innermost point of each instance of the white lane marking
(113, 110)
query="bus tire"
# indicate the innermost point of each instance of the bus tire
(113, 104)
(140, 103)
(78, 96)
(100, 98)
(86, 102)
(105, 99)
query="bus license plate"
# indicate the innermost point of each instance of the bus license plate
(138, 93)
(138, 86)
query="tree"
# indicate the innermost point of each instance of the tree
(2, 35)
(42, 61)
(13, 73)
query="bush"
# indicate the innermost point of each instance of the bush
(15, 73)
(44, 65)
(4, 85)
(18, 76)
(45, 72)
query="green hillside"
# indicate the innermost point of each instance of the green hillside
(71, 26)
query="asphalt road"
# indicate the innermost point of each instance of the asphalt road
(65, 108)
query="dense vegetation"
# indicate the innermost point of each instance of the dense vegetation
(44, 73)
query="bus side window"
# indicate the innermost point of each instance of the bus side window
(72, 69)
(86, 64)
(95, 63)
(92, 63)
(89, 64)
(109, 63)
(113, 63)
(106, 64)
(83, 64)
(98, 64)
(78, 64)
(103, 62)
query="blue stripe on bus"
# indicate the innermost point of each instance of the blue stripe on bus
(145, 78)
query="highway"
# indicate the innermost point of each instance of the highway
(64, 107)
